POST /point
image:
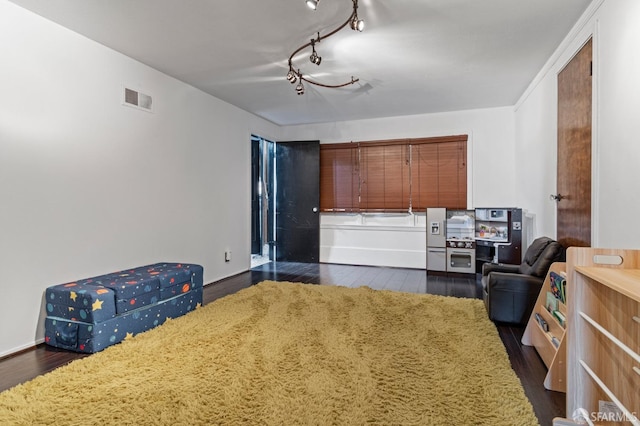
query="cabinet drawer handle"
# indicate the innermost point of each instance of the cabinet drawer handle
(636, 319)
(637, 370)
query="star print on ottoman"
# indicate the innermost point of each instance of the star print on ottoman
(93, 313)
(77, 302)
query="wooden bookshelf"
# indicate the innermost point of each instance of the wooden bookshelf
(554, 357)
(603, 352)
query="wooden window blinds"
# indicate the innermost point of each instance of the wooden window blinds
(394, 176)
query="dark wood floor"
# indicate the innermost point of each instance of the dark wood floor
(525, 361)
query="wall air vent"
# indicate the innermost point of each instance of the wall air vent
(136, 99)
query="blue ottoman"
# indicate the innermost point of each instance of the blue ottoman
(93, 313)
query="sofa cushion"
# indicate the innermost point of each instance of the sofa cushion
(79, 301)
(532, 255)
(128, 284)
(552, 253)
(93, 337)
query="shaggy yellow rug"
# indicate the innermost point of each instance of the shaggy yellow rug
(288, 354)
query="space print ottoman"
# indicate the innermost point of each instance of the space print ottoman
(90, 314)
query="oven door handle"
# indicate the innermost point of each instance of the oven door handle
(461, 252)
(497, 245)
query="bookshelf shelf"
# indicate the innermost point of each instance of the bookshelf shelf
(553, 354)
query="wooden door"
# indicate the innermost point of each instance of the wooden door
(298, 202)
(574, 150)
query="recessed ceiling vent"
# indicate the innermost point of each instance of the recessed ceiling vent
(136, 99)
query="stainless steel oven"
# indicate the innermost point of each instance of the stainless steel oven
(461, 256)
(461, 245)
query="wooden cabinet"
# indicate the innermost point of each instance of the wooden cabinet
(553, 354)
(603, 361)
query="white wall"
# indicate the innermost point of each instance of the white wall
(536, 157)
(616, 151)
(618, 132)
(401, 240)
(88, 186)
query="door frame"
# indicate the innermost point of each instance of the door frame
(266, 170)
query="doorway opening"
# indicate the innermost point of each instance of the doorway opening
(262, 201)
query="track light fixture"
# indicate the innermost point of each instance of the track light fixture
(291, 76)
(357, 24)
(314, 58)
(353, 21)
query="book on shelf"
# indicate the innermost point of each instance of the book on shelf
(558, 284)
(560, 317)
(543, 324)
(552, 302)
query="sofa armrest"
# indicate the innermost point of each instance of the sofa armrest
(487, 268)
(513, 282)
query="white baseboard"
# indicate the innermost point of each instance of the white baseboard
(21, 348)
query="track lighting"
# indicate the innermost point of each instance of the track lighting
(291, 76)
(353, 21)
(314, 58)
(357, 24)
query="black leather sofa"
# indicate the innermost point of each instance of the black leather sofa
(510, 291)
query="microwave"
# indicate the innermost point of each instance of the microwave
(497, 214)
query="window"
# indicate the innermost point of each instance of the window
(394, 176)
(439, 175)
(385, 179)
(339, 179)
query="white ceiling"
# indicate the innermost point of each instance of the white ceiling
(414, 56)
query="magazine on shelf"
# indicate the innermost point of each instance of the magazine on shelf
(558, 286)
